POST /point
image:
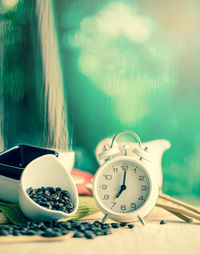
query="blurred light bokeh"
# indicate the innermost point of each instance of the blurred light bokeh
(134, 65)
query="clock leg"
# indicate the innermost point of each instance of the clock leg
(141, 220)
(105, 218)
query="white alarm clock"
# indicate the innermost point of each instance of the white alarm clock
(125, 187)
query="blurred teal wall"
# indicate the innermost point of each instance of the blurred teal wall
(134, 65)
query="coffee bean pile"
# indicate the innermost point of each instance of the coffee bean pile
(53, 229)
(46, 229)
(97, 228)
(52, 198)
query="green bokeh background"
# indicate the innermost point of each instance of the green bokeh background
(129, 64)
(133, 65)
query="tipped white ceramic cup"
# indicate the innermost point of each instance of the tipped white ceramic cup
(46, 171)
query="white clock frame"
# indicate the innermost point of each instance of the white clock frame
(142, 211)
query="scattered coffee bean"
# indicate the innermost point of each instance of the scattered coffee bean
(105, 226)
(52, 198)
(53, 229)
(49, 233)
(78, 235)
(3, 232)
(130, 226)
(162, 222)
(89, 234)
(107, 232)
(123, 224)
(30, 232)
(16, 233)
(115, 225)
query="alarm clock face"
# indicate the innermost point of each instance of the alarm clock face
(122, 186)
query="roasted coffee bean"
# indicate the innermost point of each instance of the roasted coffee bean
(4, 227)
(78, 235)
(49, 233)
(115, 225)
(65, 198)
(39, 232)
(30, 232)
(16, 233)
(89, 234)
(162, 222)
(105, 226)
(47, 193)
(123, 224)
(23, 232)
(85, 223)
(56, 204)
(50, 207)
(43, 227)
(91, 227)
(67, 226)
(3, 232)
(107, 232)
(97, 225)
(57, 229)
(80, 227)
(54, 196)
(62, 209)
(64, 232)
(98, 232)
(64, 192)
(130, 226)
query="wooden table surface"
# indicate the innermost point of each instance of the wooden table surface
(173, 237)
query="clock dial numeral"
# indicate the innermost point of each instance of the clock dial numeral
(123, 207)
(135, 169)
(133, 205)
(124, 167)
(113, 204)
(144, 188)
(115, 170)
(108, 177)
(103, 187)
(105, 197)
(141, 198)
(141, 178)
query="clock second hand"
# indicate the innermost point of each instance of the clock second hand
(123, 186)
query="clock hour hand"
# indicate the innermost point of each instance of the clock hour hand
(123, 187)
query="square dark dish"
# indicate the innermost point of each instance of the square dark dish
(14, 160)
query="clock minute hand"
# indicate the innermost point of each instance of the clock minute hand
(124, 178)
(123, 186)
